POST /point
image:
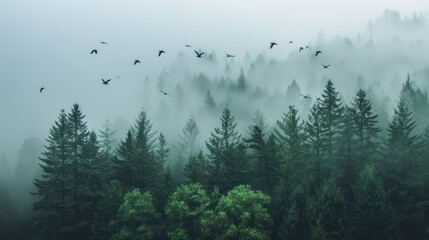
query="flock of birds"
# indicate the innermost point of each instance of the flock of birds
(198, 55)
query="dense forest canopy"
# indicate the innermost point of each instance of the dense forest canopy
(333, 146)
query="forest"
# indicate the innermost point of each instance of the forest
(296, 147)
(333, 176)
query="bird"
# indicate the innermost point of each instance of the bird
(187, 45)
(229, 55)
(290, 42)
(305, 96)
(41, 89)
(94, 51)
(136, 61)
(199, 55)
(307, 47)
(317, 53)
(272, 44)
(301, 48)
(105, 43)
(164, 93)
(326, 66)
(106, 82)
(160, 52)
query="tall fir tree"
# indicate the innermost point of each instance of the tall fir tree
(196, 169)
(189, 141)
(226, 153)
(107, 146)
(366, 125)
(124, 162)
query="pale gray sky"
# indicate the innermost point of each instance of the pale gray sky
(46, 43)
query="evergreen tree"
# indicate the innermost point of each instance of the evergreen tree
(332, 117)
(195, 170)
(107, 145)
(366, 124)
(227, 161)
(162, 151)
(373, 216)
(124, 163)
(402, 171)
(189, 141)
(266, 165)
(292, 140)
(242, 82)
(54, 187)
(209, 101)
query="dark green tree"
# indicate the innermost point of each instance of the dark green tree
(373, 216)
(196, 169)
(124, 163)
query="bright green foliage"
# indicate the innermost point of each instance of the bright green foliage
(136, 218)
(185, 210)
(241, 214)
(373, 216)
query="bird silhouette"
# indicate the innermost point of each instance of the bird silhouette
(106, 82)
(94, 51)
(105, 43)
(160, 52)
(307, 47)
(305, 96)
(317, 53)
(229, 55)
(164, 93)
(301, 48)
(187, 45)
(326, 66)
(199, 55)
(272, 44)
(41, 89)
(290, 42)
(136, 61)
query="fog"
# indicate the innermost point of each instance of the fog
(48, 43)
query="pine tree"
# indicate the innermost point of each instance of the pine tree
(189, 141)
(367, 130)
(107, 145)
(241, 82)
(162, 151)
(124, 163)
(53, 188)
(292, 139)
(332, 117)
(316, 139)
(266, 165)
(209, 101)
(228, 165)
(195, 170)
(373, 216)
(402, 171)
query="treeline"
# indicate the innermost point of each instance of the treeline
(333, 176)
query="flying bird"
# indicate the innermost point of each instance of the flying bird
(307, 47)
(94, 51)
(272, 44)
(187, 45)
(160, 52)
(106, 82)
(318, 52)
(136, 61)
(229, 55)
(290, 42)
(305, 96)
(326, 66)
(164, 93)
(199, 55)
(105, 43)
(301, 48)
(41, 89)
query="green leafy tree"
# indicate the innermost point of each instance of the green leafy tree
(136, 218)
(241, 214)
(185, 210)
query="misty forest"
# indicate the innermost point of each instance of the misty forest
(328, 142)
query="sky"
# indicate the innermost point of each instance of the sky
(47, 43)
